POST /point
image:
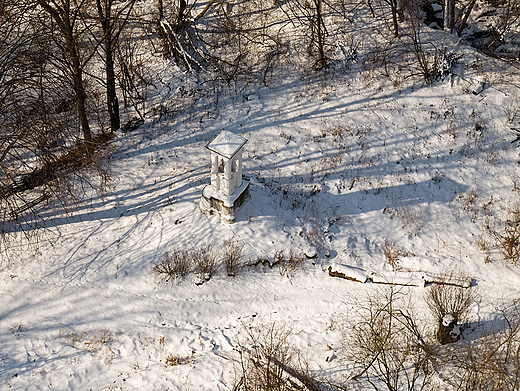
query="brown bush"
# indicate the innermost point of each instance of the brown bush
(174, 264)
(492, 362)
(509, 237)
(387, 345)
(233, 257)
(205, 260)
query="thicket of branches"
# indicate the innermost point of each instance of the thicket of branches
(56, 63)
(388, 347)
(267, 359)
(393, 350)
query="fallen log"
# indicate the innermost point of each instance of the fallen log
(402, 278)
(348, 273)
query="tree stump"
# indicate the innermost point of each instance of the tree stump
(449, 330)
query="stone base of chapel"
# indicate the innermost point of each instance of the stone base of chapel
(226, 207)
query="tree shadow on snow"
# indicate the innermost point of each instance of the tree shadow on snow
(352, 202)
(145, 199)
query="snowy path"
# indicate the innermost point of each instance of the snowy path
(78, 327)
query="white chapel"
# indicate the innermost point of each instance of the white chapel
(228, 191)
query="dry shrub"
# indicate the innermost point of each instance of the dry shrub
(475, 205)
(469, 200)
(72, 338)
(339, 133)
(511, 107)
(266, 360)
(509, 237)
(293, 263)
(446, 300)
(233, 257)
(205, 260)
(411, 218)
(483, 245)
(289, 261)
(173, 360)
(17, 329)
(97, 342)
(313, 232)
(177, 264)
(493, 361)
(393, 254)
(174, 264)
(98, 339)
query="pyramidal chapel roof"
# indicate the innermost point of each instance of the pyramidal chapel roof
(226, 144)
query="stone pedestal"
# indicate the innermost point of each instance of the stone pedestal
(226, 206)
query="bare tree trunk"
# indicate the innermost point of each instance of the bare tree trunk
(82, 111)
(395, 22)
(369, 3)
(65, 19)
(104, 14)
(79, 91)
(112, 22)
(311, 17)
(466, 16)
(320, 34)
(449, 15)
(160, 8)
(112, 101)
(180, 14)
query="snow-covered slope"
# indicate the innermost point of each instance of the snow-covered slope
(349, 164)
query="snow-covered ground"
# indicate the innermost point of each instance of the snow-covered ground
(346, 164)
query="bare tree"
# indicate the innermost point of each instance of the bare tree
(66, 14)
(21, 109)
(510, 15)
(394, 9)
(320, 32)
(175, 27)
(427, 63)
(466, 14)
(43, 144)
(310, 15)
(388, 345)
